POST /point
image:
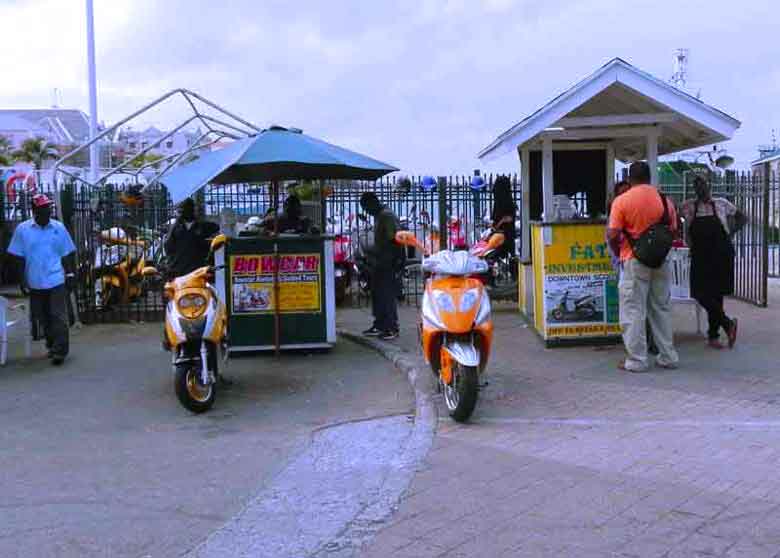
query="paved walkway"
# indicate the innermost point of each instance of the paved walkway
(567, 456)
(98, 459)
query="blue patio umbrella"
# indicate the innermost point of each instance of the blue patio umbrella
(272, 155)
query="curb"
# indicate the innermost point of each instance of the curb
(426, 415)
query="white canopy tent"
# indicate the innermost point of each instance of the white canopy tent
(626, 111)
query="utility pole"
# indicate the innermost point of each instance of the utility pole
(94, 153)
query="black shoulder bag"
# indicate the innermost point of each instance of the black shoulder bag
(653, 245)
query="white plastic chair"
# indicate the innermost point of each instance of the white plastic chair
(22, 322)
(680, 259)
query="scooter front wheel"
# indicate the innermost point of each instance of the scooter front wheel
(192, 394)
(460, 395)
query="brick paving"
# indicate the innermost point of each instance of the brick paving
(567, 456)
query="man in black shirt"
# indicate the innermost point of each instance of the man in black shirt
(292, 220)
(384, 257)
(187, 244)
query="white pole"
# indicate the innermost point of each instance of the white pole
(610, 170)
(547, 178)
(525, 212)
(652, 157)
(94, 153)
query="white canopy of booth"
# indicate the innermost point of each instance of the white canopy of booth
(626, 111)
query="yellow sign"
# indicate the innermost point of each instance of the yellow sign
(252, 283)
(576, 283)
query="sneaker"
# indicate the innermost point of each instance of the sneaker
(56, 360)
(373, 331)
(732, 333)
(389, 335)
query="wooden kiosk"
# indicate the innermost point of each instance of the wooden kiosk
(568, 150)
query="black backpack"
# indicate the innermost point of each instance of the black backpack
(653, 245)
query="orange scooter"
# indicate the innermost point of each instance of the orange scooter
(456, 326)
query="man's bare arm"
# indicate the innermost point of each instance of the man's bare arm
(615, 239)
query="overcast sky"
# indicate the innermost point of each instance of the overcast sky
(422, 84)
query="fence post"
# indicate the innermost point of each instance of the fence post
(443, 213)
(66, 206)
(765, 244)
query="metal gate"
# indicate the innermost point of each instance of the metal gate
(756, 195)
(444, 214)
(447, 214)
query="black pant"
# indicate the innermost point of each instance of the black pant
(716, 317)
(50, 310)
(384, 299)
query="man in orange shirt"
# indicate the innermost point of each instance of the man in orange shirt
(644, 291)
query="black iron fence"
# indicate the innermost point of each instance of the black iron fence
(447, 213)
(756, 246)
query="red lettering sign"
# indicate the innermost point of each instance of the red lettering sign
(248, 265)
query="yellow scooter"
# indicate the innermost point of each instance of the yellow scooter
(195, 331)
(119, 268)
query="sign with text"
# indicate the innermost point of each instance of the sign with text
(579, 285)
(252, 283)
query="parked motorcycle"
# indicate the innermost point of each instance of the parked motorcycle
(343, 265)
(118, 268)
(456, 326)
(580, 308)
(195, 330)
(501, 282)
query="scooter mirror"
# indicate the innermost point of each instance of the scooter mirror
(218, 242)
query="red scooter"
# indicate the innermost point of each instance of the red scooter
(343, 265)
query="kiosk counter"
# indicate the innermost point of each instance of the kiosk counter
(306, 304)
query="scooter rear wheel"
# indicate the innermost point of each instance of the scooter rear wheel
(460, 395)
(192, 394)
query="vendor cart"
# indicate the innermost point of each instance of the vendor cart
(278, 288)
(306, 298)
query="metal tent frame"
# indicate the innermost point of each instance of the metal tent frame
(220, 125)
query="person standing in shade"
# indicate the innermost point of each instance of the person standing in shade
(383, 257)
(503, 214)
(711, 223)
(46, 250)
(187, 245)
(645, 292)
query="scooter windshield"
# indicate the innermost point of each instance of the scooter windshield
(448, 262)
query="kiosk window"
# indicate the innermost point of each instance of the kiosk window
(575, 173)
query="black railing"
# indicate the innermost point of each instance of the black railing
(448, 215)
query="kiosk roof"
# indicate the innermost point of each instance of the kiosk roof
(620, 103)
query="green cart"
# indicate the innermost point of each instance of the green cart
(289, 305)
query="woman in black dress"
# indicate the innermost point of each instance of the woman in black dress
(711, 222)
(504, 211)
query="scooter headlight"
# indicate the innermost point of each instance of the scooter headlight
(192, 306)
(444, 301)
(469, 299)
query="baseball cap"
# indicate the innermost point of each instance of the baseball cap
(41, 200)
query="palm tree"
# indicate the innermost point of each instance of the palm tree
(36, 151)
(5, 152)
(147, 159)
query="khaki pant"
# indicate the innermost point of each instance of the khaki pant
(645, 295)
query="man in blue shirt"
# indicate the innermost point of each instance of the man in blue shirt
(45, 248)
